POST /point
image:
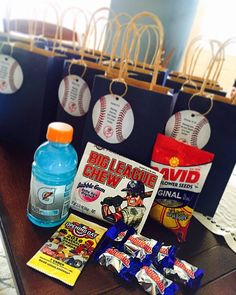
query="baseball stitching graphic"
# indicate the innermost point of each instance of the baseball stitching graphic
(189, 127)
(102, 114)
(177, 125)
(196, 131)
(120, 119)
(74, 95)
(66, 91)
(82, 90)
(113, 118)
(11, 80)
(11, 74)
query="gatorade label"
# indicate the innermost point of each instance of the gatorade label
(49, 203)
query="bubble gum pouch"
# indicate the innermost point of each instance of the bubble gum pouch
(185, 169)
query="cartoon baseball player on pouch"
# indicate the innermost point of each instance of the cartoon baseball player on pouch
(133, 213)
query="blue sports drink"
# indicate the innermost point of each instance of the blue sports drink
(53, 172)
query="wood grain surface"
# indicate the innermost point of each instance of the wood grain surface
(23, 240)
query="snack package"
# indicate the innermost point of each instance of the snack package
(120, 263)
(150, 263)
(64, 255)
(165, 257)
(141, 247)
(153, 282)
(111, 187)
(184, 273)
(185, 169)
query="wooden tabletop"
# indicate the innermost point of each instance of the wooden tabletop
(23, 239)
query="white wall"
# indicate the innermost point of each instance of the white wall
(215, 19)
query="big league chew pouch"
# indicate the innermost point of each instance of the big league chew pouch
(185, 169)
(111, 187)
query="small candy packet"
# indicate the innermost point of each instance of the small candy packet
(119, 232)
(154, 265)
(153, 282)
(120, 263)
(65, 254)
(141, 247)
(184, 273)
(165, 257)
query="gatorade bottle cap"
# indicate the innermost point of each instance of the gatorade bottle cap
(59, 132)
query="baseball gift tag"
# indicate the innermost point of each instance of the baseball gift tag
(11, 75)
(74, 94)
(125, 118)
(111, 187)
(113, 118)
(189, 127)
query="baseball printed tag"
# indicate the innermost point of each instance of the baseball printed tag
(74, 95)
(11, 75)
(113, 118)
(189, 127)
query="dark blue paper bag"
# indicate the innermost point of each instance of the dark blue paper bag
(222, 142)
(69, 115)
(25, 114)
(128, 121)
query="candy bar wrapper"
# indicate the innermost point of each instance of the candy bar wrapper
(120, 263)
(154, 283)
(185, 169)
(115, 237)
(165, 257)
(124, 238)
(119, 232)
(111, 187)
(184, 273)
(64, 255)
(141, 247)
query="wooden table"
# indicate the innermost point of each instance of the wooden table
(22, 240)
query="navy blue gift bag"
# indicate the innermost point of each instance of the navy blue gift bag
(125, 114)
(28, 106)
(74, 110)
(222, 142)
(127, 124)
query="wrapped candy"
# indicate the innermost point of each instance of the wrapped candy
(141, 247)
(184, 273)
(154, 283)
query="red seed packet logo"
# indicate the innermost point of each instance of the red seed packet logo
(174, 162)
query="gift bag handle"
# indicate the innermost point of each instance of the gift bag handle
(158, 56)
(89, 27)
(216, 57)
(32, 29)
(146, 29)
(195, 58)
(74, 35)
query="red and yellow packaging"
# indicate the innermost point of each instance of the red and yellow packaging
(65, 254)
(185, 169)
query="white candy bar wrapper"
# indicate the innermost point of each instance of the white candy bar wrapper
(111, 187)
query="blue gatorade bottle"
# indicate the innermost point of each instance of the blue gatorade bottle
(53, 172)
